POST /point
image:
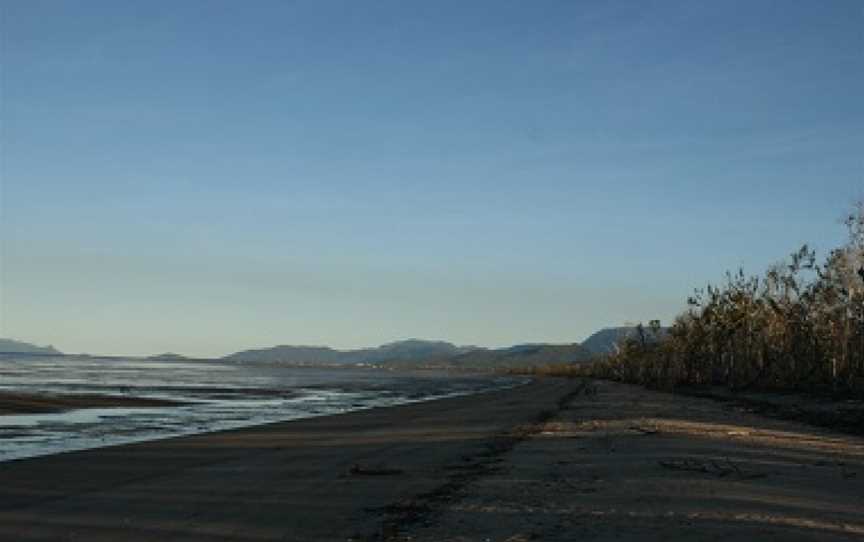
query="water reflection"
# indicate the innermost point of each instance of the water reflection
(216, 395)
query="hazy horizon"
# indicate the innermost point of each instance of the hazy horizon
(301, 344)
(203, 177)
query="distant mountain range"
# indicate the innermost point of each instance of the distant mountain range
(409, 353)
(19, 347)
(523, 355)
(408, 350)
(415, 352)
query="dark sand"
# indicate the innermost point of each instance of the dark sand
(626, 463)
(554, 460)
(287, 481)
(33, 403)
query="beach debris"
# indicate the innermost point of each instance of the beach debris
(360, 470)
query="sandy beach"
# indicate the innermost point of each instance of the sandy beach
(552, 460)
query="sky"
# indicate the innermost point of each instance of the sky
(207, 176)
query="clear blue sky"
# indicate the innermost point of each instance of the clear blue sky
(208, 176)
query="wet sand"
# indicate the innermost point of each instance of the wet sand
(552, 460)
(32, 403)
(286, 481)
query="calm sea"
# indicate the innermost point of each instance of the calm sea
(220, 395)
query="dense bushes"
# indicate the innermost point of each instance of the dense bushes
(800, 327)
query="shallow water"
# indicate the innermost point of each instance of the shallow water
(219, 395)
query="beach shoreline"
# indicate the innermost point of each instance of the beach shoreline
(555, 459)
(237, 484)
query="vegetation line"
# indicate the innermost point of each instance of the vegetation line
(797, 328)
